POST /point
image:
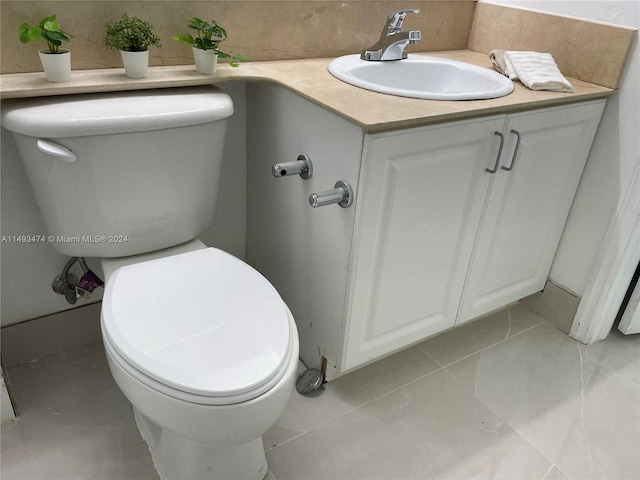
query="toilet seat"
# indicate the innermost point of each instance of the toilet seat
(200, 326)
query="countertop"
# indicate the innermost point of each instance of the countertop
(373, 112)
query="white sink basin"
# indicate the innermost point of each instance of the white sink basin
(422, 77)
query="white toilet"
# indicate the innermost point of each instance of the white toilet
(199, 342)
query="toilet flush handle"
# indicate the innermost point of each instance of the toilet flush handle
(56, 150)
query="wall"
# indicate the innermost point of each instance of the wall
(29, 268)
(260, 29)
(615, 151)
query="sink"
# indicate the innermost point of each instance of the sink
(421, 76)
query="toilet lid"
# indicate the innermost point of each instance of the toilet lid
(201, 322)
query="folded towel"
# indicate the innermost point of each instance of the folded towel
(497, 58)
(538, 71)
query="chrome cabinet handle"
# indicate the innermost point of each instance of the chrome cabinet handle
(302, 166)
(495, 167)
(515, 152)
(342, 194)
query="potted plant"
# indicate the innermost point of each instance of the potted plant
(205, 45)
(133, 37)
(56, 62)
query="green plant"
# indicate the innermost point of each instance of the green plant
(130, 34)
(48, 29)
(210, 34)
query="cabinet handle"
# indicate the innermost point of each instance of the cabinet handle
(495, 167)
(515, 152)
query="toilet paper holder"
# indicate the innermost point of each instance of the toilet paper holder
(302, 166)
(341, 194)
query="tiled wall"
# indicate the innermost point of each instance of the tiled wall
(591, 51)
(262, 30)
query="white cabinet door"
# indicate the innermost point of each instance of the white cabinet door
(528, 205)
(418, 208)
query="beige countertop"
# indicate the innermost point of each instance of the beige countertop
(373, 112)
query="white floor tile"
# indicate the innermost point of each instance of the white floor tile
(474, 336)
(73, 422)
(431, 428)
(580, 413)
(517, 399)
(346, 393)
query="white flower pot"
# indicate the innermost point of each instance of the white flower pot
(136, 64)
(206, 61)
(57, 66)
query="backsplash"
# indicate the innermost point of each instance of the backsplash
(591, 51)
(262, 30)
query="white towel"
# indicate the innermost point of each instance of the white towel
(497, 58)
(538, 71)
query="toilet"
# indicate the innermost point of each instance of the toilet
(199, 342)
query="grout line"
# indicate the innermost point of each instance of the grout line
(542, 321)
(442, 367)
(475, 380)
(494, 344)
(582, 405)
(548, 471)
(474, 393)
(519, 436)
(509, 319)
(355, 408)
(67, 351)
(430, 356)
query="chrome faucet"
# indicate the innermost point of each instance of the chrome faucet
(393, 40)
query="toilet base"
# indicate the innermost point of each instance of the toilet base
(176, 457)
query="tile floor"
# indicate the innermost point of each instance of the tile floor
(508, 397)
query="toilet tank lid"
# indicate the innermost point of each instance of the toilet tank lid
(115, 112)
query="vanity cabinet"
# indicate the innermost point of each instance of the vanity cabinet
(450, 226)
(449, 221)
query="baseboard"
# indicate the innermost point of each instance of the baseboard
(554, 304)
(27, 341)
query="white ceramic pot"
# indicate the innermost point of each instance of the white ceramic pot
(206, 61)
(136, 64)
(57, 66)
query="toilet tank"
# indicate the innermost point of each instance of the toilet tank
(122, 173)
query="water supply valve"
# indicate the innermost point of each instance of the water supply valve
(302, 166)
(67, 283)
(342, 194)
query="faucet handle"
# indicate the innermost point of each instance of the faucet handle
(394, 22)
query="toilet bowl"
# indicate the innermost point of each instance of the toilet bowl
(200, 343)
(206, 351)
